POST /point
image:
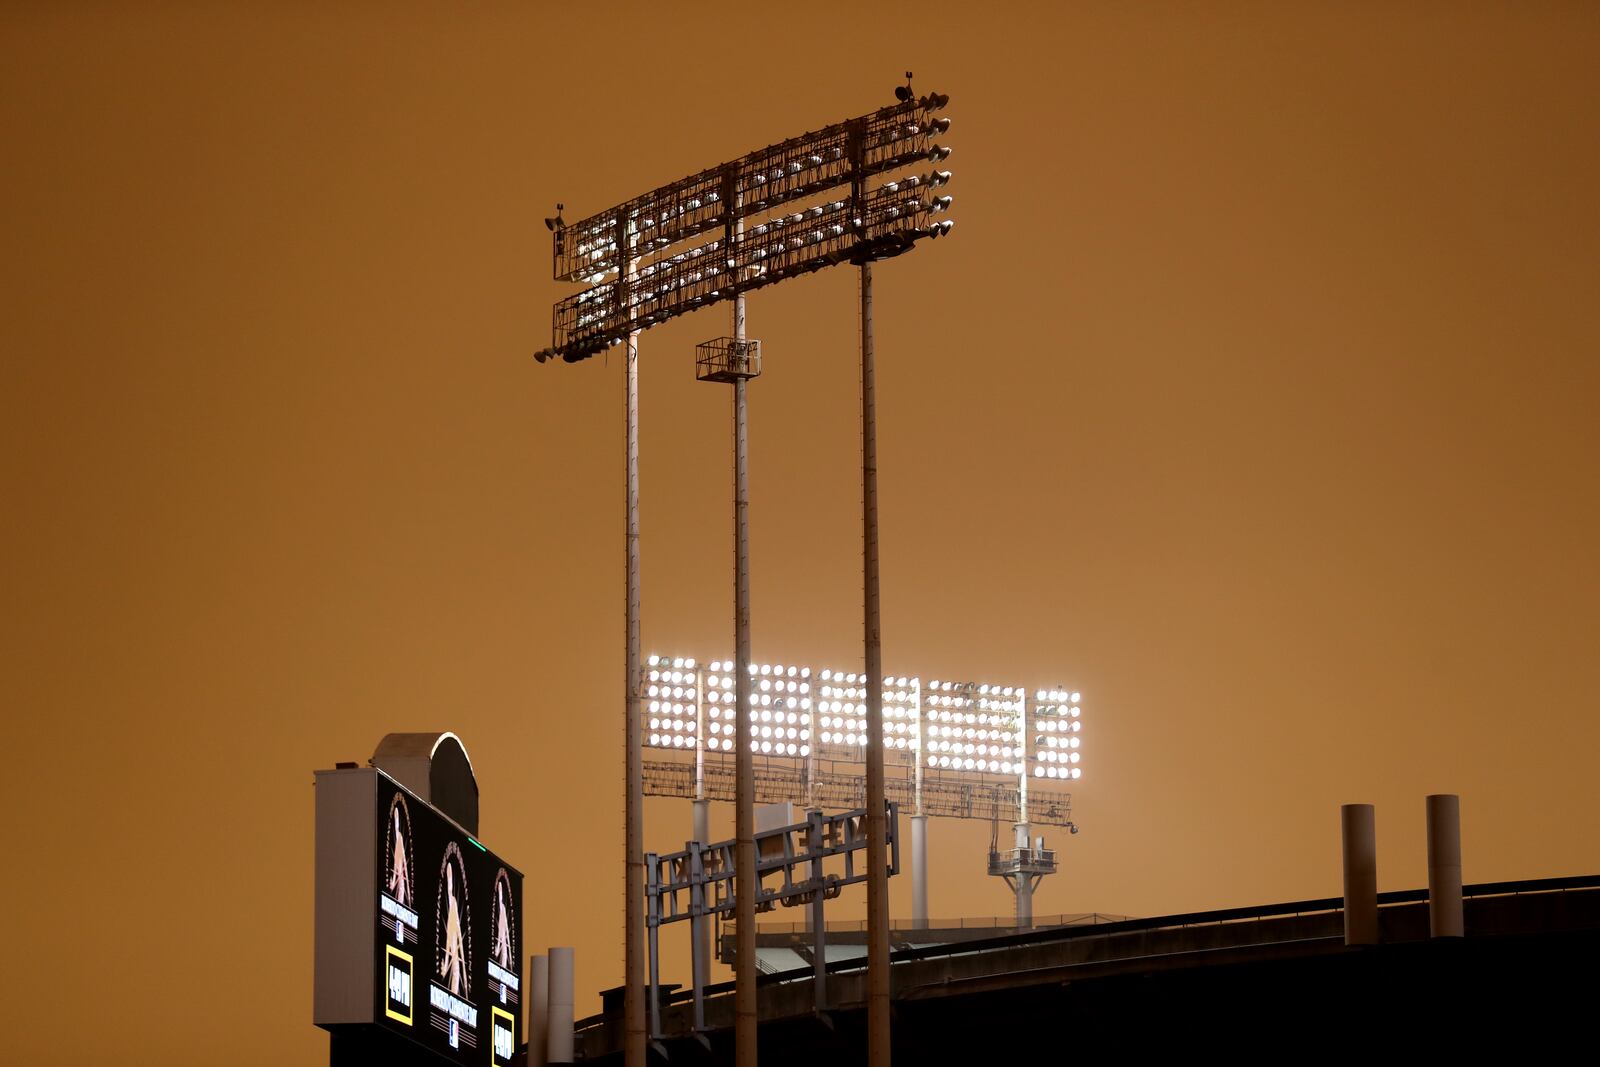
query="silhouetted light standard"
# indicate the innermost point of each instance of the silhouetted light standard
(771, 215)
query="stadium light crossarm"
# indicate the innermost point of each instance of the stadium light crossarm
(849, 193)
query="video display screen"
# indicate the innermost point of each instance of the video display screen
(449, 939)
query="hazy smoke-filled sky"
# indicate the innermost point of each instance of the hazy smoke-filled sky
(1254, 396)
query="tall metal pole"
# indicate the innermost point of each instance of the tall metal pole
(1024, 835)
(877, 837)
(699, 928)
(633, 907)
(744, 996)
(919, 828)
(919, 871)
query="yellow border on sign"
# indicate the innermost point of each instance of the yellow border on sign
(411, 965)
(511, 1024)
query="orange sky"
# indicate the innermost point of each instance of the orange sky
(1254, 396)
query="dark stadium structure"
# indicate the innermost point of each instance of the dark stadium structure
(1273, 981)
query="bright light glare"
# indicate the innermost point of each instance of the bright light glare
(947, 726)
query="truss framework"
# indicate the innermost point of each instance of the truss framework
(847, 789)
(773, 214)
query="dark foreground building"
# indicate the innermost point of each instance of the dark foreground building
(1274, 982)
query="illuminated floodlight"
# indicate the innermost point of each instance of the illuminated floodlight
(974, 728)
(671, 699)
(776, 213)
(1054, 752)
(936, 728)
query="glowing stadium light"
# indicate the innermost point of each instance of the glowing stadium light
(1054, 734)
(974, 728)
(779, 712)
(933, 730)
(672, 691)
(773, 214)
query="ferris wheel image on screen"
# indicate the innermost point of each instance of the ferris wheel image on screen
(453, 925)
(503, 948)
(397, 867)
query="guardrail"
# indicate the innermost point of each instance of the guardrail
(971, 922)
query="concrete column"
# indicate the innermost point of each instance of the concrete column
(1444, 866)
(1360, 874)
(558, 1040)
(538, 994)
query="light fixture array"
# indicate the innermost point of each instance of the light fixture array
(799, 712)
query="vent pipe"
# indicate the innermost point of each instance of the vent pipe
(558, 1042)
(1360, 874)
(1444, 866)
(538, 1010)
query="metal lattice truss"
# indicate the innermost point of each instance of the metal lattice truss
(942, 797)
(810, 202)
(789, 867)
(805, 863)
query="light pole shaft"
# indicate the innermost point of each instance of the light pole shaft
(919, 828)
(877, 838)
(744, 997)
(919, 871)
(633, 835)
(700, 926)
(819, 920)
(1025, 880)
(1024, 833)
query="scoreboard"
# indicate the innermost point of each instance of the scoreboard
(417, 924)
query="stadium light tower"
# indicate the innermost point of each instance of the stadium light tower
(952, 749)
(1051, 740)
(850, 193)
(735, 360)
